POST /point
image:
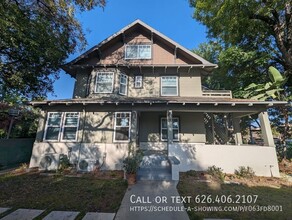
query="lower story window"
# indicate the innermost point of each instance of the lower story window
(122, 126)
(175, 129)
(62, 126)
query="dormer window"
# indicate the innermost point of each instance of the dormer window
(138, 51)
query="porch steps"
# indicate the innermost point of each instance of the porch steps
(154, 166)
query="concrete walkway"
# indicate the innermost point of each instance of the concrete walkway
(149, 200)
(30, 214)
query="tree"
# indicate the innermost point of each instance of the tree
(36, 37)
(246, 37)
(274, 90)
(257, 28)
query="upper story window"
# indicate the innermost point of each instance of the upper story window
(123, 84)
(138, 83)
(169, 86)
(62, 126)
(104, 82)
(138, 52)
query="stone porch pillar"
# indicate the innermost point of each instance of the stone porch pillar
(169, 129)
(266, 129)
(237, 130)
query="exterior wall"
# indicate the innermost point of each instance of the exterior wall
(99, 127)
(189, 84)
(81, 84)
(162, 54)
(263, 160)
(113, 154)
(192, 129)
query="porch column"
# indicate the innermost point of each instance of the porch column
(169, 129)
(266, 129)
(236, 130)
(134, 126)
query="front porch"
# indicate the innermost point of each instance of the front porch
(202, 140)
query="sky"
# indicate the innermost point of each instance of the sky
(172, 18)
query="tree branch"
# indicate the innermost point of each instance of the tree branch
(265, 19)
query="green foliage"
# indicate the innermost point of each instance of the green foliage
(64, 163)
(244, 172)
(253, 34)
(192, 173)
(264, 91)
(132, 162)
(36, 38)
(24, 125)
(246, 37)
(216, 172)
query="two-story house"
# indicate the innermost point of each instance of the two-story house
(140, 89)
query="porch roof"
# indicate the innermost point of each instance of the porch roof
(215, 101)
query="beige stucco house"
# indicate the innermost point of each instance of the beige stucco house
(141, 89)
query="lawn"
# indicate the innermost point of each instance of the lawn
(269, 191)
(83, 194)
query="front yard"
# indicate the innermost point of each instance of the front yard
(85, 194)
(208, 193)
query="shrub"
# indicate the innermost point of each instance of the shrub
(216, 172)
(192, 173)
(64, 163)
(244, 172)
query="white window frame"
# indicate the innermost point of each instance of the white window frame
(122, 75)
(168, 86)
(138, 52)
(61, 126)
(46, 127)
(129, 127)
(138, 82)
(164, 118)
(69, 126)
(113, 76)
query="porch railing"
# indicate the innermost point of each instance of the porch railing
(218, 93)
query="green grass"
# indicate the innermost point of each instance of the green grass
(86, 194)
(266, 196)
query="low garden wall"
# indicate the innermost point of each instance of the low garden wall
(263, 160)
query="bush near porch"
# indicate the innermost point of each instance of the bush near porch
(58, 192)
(270, 191)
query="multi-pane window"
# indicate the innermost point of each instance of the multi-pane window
(175, 129)
(62, 126)
(70, 126)
(123, 84)
(53, 126)
(138, 52)
(122, 126)
(138, 82)
(104, 82)
(169, 86)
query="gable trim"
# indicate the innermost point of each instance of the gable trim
(84, 55)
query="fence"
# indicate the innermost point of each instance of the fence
(15, 151)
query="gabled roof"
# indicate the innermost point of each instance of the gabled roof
(204, 62)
